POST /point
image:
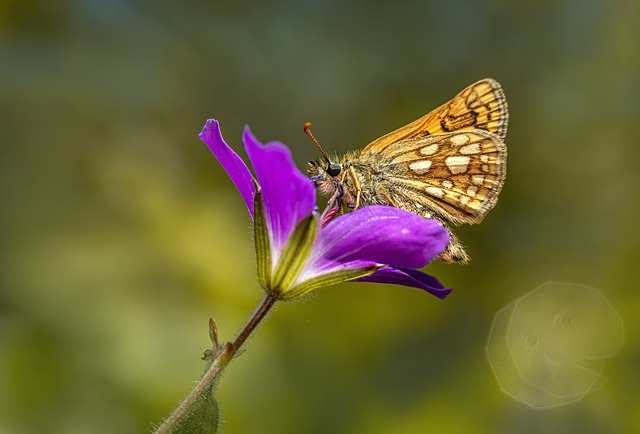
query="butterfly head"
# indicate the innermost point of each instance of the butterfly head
(325, 175)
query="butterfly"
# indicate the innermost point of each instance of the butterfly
(448, 165)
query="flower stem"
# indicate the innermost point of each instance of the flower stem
(259, 313)
(222, 357)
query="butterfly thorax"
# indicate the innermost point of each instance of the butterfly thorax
(360, 174)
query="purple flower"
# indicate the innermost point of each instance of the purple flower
(296, 255)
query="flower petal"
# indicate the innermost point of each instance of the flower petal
(231, 162)
(287, 194)
(408, 277)
(382, 234)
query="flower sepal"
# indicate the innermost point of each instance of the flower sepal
(293, 257)
(261, 240)
(329, 279)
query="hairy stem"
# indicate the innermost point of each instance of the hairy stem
(222, 357)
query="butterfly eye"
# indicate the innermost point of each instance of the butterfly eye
(334, 169)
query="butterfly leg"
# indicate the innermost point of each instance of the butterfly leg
(390, 201)
(356, 186)
(340, 192)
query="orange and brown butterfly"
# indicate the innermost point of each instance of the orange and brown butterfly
(449, 165)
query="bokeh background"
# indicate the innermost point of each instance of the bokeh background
(121, 235)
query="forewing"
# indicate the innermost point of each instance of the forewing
(457, 176)
(482, 105)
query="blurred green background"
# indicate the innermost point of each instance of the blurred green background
(121, 234)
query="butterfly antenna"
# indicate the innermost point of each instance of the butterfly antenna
(307, 130)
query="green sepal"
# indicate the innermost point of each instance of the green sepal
(293, 257)
(327, 280)
(261, 241)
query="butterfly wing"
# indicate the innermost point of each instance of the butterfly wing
(481, 105)
(455, 176)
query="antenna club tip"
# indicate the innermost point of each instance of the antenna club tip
(308, 131)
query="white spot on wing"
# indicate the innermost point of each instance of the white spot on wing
(477, 179)
(434, 191)
(429, 149)
(447, 184)
(457, 164)
(473, 148)
(459, 140)
(420, 167)
(472, 190)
